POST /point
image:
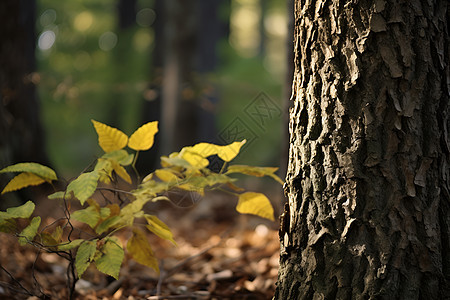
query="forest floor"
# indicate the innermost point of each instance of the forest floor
(220, 255)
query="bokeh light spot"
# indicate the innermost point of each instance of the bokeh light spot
(145, 17)
(48, 17)
(83, 21)
(46, 40)
(107, 41)
(142, 40)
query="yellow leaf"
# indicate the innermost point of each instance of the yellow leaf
(21, 181)
(166, 175)
(143, 137)
(194, 159)
(255, 204)
(229, 152)
(141, 251)
(197, 154)
(121, 171)
(109, 138)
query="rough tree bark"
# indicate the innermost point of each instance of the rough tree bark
(368, 212)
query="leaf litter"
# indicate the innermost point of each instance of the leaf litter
(219, 255)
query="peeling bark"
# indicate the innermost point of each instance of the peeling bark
(368, 212)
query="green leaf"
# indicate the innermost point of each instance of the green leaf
(30, 231)
(21, 181)
(57, 195)
(84, 186)
(8, 225)
(255, 204)
(104, 169)
(120, 156)
(23, 211)
(141, 251)
(70, 245)
(255, 171)
(42, 171)
(111, 257)
(159, 228)
(88, 216)
(107, 224)
(85, 255)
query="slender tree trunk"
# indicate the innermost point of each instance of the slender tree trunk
(368, 212)
(21, 133)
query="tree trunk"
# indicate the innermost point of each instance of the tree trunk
(368, 212)
(21, 133)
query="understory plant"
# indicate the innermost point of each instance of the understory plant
(87, 234)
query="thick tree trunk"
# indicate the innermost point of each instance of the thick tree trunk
(368, 212)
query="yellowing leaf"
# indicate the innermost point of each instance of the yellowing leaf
(30, 231)
(109, 138)
(141, 251)
(21, 181)
(159, 228)
(104, 168)
(111, 257)
(84, 186)
(47, 240)
(42, 171)
(174, 160)
(85, 255)
(255, 171)
(143, 137)
(255, 204)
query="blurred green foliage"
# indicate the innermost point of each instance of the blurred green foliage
(90, 69)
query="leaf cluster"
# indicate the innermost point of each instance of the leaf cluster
(97, 244)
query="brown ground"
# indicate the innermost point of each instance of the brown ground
(220, 255)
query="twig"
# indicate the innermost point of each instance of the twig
(25, 291)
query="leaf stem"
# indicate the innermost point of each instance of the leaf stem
(133, 165)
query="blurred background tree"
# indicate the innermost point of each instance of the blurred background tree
(21, 134)
(197, 66)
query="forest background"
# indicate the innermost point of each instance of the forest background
(93, 63)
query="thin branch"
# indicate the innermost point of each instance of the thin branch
(25, 291)
(114, 190)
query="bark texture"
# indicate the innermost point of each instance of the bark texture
(368, 212)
